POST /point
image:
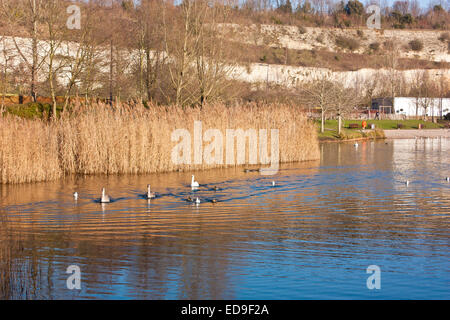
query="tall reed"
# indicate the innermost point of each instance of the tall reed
(100, 139)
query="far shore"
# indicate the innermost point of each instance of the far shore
(419, 133)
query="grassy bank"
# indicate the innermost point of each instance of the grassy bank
(99, 139)
(331, 128)
(331, 132)
(393, 124)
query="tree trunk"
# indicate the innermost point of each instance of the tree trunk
(322, 126)
(339, 123)
(35, 55)
(111, 74)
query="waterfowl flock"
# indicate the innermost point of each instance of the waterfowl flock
(194, 184)
(104, 198)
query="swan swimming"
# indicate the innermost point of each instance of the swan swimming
(407, 182)
(273, 183)
(75, 196)
(105, 198)
(356, 144)
(194, 183)
(197, 201)
(150, 195)
(448, 179)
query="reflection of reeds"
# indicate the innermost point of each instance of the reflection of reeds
(17, 274)
(133, 139)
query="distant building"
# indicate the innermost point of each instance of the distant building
(382, 105)
(411, 107)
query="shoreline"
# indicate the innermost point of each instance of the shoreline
(399, 134)
(416, 133)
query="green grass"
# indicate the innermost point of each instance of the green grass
(32, 110)
(331, 127)
(392, 124)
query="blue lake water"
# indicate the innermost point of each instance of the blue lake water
(312, 236)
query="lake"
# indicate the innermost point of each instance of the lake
(312, 236)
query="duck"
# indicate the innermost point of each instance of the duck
(105, 198)
(150, 195)
(214, 200)
(215, 188)
(75, 196)
(189, 199)
(194, 183)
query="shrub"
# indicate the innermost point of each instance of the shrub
(416, 45)
(375, 46)
(301, 30)
(33, 110)
(354, 7)
(438, 25)
(444, 36)
(347, 43)
(399, 26)
(320, 38)
(275, 20)
(388, 44)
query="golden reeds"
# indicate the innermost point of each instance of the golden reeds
(100, 139)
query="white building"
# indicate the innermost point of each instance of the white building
(411, 107)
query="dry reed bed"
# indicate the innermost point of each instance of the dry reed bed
(99, 139)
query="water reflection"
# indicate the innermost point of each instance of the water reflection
(312, 236)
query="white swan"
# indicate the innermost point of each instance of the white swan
(197, 201)
(194, 183)
(105, 198)
(273, 183)
(75, 196)
(407, 182)
(448, 179)
(150, 195)
(356, 144)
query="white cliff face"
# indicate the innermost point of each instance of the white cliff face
(288, 76)
(307, 39)
(291, 76)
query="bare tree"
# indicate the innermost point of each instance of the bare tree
(55, 22)
(148, 26)
(6, 58)
(391, 63)
(29, 14)
(212, 62)
(79, 55)
(345, 99)
(178, 44)
(320, 94)
(424, 95)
